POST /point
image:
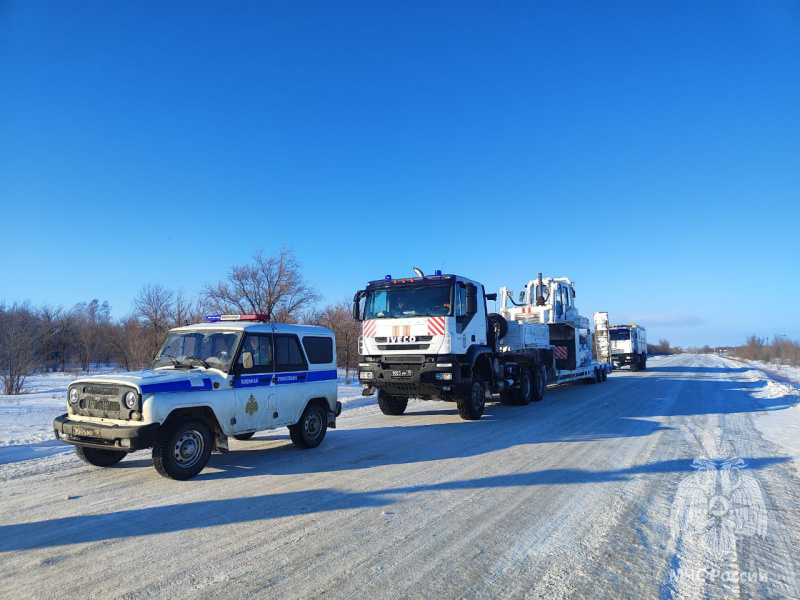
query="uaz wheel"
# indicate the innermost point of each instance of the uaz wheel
(98, 457)
(310, 430)
(181, 450)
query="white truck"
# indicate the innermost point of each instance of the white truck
(433, 337)
(230, 377)
(629, 346)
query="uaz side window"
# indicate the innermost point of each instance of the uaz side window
(318, 349)
(288, 355)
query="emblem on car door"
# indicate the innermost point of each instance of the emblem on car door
(252, 406)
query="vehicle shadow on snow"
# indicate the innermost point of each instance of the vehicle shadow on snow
(697, 370)
(211, 513)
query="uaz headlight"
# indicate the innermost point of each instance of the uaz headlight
(130, 400)
(73, 395)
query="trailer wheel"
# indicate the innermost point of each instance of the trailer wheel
(522, 394)
(98, 457)
(539, 384)
(391, 405)
(603, 374)
(471, 404)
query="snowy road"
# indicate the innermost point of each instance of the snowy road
(590, 493)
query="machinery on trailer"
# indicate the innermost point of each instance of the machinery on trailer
(433, 337)
(629, 346)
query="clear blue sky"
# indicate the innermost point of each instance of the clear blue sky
(651, 154)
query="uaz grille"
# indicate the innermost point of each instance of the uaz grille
(100, 404)
(101, 391)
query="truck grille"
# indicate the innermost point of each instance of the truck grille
(403, 346)
(420, 338)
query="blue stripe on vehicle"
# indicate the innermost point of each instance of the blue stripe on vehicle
(322, 375)
(265, 379)
(174, 386)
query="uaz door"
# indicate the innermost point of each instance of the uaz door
(255, 391)
(291, 371)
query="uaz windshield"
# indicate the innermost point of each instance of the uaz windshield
(210, 349)
(409, 301)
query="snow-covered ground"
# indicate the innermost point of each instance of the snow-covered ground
(26, 420)
(571, 497)
(782, 371)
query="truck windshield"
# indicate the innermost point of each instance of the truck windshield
(409, 301)
(620, 334)
(210, 349)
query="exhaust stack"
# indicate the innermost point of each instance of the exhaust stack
(540, 297)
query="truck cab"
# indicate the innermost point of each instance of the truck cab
(232, 376)
(422, 336)
(629, 346)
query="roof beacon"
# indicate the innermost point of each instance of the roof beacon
(216, 318)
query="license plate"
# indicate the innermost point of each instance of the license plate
(402, 373)
(86, 432)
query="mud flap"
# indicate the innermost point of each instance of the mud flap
(221, 442)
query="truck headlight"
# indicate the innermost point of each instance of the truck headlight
(130, 399)
(444, 376)
(73, 395)
(365, 375)
(364, 364)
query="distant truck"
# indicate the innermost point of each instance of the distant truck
(432, 337)
(230, 377)
(629, 346)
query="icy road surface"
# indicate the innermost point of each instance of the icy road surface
(655, 484)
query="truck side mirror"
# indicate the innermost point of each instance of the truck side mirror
(247, 360)
(521, 295)
(357, 305)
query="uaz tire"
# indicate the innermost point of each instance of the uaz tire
(310, 430)
(182, 449)
(98, 457)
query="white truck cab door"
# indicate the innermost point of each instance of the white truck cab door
(253, 386)
(291, 371)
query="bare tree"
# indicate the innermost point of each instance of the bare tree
(154, 306)
(271, 285)
(49, 316)
(339, 319)
(20, 341)
(90, 319)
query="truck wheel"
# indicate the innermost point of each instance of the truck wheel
(181, 450)
(635, 363)
(99, 457)
(644, 362)
(522, 394)
(243, 437)
(539, 385)
(603, 374)
(310, 430)
(470, 405)
(506, 397)
(391, 405)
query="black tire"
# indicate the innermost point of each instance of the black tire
(471, 404)
(500, 324)
(310, 430)
(182, 449)
(506, 397)
(99, 457)
(391, 405)
(523, 393)
(539, 384)
(635, 364)
(644, 362)
(243, 437)
(603, 374)
(595, 378)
